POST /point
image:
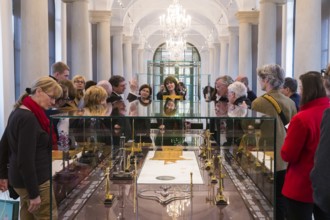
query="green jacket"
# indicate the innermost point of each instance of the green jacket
(288, 107)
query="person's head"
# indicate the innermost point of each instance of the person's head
(244, 80)
(145, 91)
(221, 108)
(44, 91)
(311, 87)
(271, 76)
(118, 108)
(208, 92)
(95, 100)
(60, 71)
(72, 92)
(90, 83)
(235, 91)
(171, 84)
(64, 98)
(79, 82)
(289, 87)
(170, 107)
(221, 85)
(106, 85)
(326, 80)
(118, 84)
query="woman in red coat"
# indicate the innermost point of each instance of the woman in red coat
(299, 147)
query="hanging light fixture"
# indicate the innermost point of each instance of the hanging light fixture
(174, 25)
(176, 47)
(175, 21)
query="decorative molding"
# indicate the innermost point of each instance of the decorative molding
(280, 2)
(72, 1)
(117, 30)
(224, 39)
(248, 17)
(96, 16)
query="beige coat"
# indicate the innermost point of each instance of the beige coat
(289, 109)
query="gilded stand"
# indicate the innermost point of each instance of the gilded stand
(212, 172)
(108, 196)
(220, 199)
(257, 136)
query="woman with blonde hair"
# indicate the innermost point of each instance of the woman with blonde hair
(95, 100)
(25, 150)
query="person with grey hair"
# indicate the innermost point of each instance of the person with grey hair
(221, 87)
(237, 93)
(250, 94)
(105, 84)
(271, 79)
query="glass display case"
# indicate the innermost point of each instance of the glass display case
(206, 160)
(187, 72)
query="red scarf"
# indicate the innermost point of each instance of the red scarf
(41, 116)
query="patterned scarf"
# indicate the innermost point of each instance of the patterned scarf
(41, 116)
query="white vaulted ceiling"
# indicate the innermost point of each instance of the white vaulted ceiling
(140, 18)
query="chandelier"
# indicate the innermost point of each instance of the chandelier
(176, 47)
(174, 24)
(176, 21)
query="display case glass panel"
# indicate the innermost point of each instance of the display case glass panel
(143, 161)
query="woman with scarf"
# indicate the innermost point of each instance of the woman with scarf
(25, 150)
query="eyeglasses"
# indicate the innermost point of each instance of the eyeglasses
(79, 81)
(51, 97)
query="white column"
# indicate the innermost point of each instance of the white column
(135, 60)
(267, 34)
(246, 19)
(34, 41)
(233, 52)
(7, 81)
(60, 31)
(211, 62)
(141, 61)
(102, 21)
(117, 51)
(216, 61)
(287, 37)
(307, 37)
(128, 57)
(81, 62)
(223, 55)
(204, 65)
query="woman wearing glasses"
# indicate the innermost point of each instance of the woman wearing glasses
(25, 158)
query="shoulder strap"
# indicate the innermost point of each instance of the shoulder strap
(277, 107)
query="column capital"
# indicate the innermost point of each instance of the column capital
(248, 17)
(135, 46)
(96, 16)
(71, 1)
(223, 39)
(280, 2)
(233, 30)
(117, 30)
(127, 39)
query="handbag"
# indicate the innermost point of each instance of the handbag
(9, 209)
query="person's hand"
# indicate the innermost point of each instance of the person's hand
(3, 185)
(133, 85)
(244, 105)
(162, 87)
(34, 204)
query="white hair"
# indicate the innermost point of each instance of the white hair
(238, 88)
(106, 85)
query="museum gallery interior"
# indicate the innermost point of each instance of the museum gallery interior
(198, 160)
